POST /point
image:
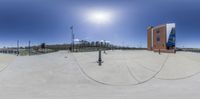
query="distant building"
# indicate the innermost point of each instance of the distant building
(162, 37)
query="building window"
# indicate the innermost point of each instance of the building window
(158, 39)
(157, 31)
(158, 36)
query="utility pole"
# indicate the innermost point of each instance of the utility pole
(175, 41)
(104, 46)
(17, 47)
(29, 47)
(72, 43)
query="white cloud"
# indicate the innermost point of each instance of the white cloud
(76, 40)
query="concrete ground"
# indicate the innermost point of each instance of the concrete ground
(63, 75)
(5, 60)
(179, 66)
(121, 67)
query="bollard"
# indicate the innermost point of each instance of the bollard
(100, 60)
(159, 51)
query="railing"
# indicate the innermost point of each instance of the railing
(8, 51)
(195, 50)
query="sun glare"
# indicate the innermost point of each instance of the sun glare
(100, 17)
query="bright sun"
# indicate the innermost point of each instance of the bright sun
(100, 17)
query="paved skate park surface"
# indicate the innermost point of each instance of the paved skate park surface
(179, 66)
(5, 60)
(64, 75)
(121, 67)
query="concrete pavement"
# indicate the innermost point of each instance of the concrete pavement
(58, 75)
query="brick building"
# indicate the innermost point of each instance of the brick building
(161, 37)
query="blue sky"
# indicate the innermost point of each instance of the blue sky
(49, 21)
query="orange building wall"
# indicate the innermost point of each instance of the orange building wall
(162, 32)
(149, 38)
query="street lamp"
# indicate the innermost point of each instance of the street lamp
(72, 43)
(17, 47)
(29, 47)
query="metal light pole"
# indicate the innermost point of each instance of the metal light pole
(72, 43)
(29, 47)
(105, 46)
(17, 47)
(175, 41)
